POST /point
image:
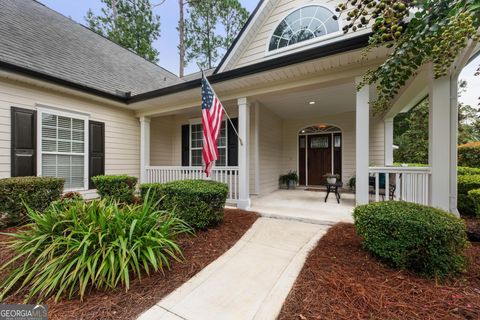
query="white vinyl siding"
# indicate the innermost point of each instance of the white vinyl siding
(122, 128)
(63, 148)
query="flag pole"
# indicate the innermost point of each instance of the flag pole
(224, 110)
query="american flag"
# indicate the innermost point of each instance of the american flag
(212, 116)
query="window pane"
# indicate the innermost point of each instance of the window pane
(196, 158)
(62, 136)
(222, 157)
(303, 24)
(222, 138)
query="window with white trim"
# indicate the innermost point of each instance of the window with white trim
(304, 24)
(196, 144)
(63, 150)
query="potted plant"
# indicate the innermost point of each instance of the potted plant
(290, 179)
(332, 178)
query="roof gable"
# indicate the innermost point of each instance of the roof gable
(39, 39)
(251, 46)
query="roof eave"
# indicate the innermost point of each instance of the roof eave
(345, 45)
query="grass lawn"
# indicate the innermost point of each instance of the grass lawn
(198, 250)
(340, 280)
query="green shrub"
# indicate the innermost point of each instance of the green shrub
(199, 202)
(469, 155)
(465, 184)
(425, 240)
(75, 246)
(120, 188)
(462, 171)
(36, 192)
(474, 197)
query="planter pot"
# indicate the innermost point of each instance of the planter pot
(291, 184)
(331, 180)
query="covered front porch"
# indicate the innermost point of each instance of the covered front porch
(315, 123)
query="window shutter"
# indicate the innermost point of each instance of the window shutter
(96, 151)
(186, 145)
(24, 142)
(232, 143)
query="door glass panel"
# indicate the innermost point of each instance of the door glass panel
(338, 142)
(319, 142)
(302, 142)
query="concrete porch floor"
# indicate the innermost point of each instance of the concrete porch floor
(305, 206)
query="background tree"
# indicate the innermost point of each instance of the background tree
(210, 27)
(411, 135)
(419, 31)
(411, 130)
(130, 23)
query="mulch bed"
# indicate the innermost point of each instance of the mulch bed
(199, 251)
(340, 280)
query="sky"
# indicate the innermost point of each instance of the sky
(168, 41)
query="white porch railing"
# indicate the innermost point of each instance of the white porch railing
(409, 184)
(227, 175)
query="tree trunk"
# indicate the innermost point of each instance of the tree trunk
(181, 46)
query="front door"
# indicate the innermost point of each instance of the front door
(319, 158)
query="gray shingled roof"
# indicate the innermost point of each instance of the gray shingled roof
(35, 37)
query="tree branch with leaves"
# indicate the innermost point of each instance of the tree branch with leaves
(419, 31)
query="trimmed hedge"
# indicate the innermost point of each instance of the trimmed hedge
(462, 171)
(465, 184)
(469, 155)
(36, 192)
(422, 239)
(120, 188)
(200, 203)
(474, 197)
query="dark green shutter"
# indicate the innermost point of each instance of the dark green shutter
(232, 143)
(186, 145)
(96, 151)
(23, 142)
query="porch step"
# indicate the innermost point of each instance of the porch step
(321, 222)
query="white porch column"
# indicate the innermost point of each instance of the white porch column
(362, 143)
(388, 131)
(144, 147)
(243, 156)
(443, 139)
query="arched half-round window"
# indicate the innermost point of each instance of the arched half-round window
(303, 24)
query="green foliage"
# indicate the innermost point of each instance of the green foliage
(75, 246)
(413, 142)
(437, 32)
(469, 155)
(290, 176)
(130, 23)
(474, 196)
(465, 184)
(36, 192)
(199, 202)
(422, 239)
(210, 27)
(467, 171)
(119, 188)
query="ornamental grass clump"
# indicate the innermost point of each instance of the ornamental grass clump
(422, 239)
(75, 246)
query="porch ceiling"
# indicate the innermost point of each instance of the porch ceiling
(295, 104)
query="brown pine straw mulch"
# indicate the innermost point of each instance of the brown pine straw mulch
(199, 251)
(340, 280)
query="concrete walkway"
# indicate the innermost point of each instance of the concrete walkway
(250, 281)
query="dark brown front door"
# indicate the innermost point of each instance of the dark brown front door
(319, 158)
